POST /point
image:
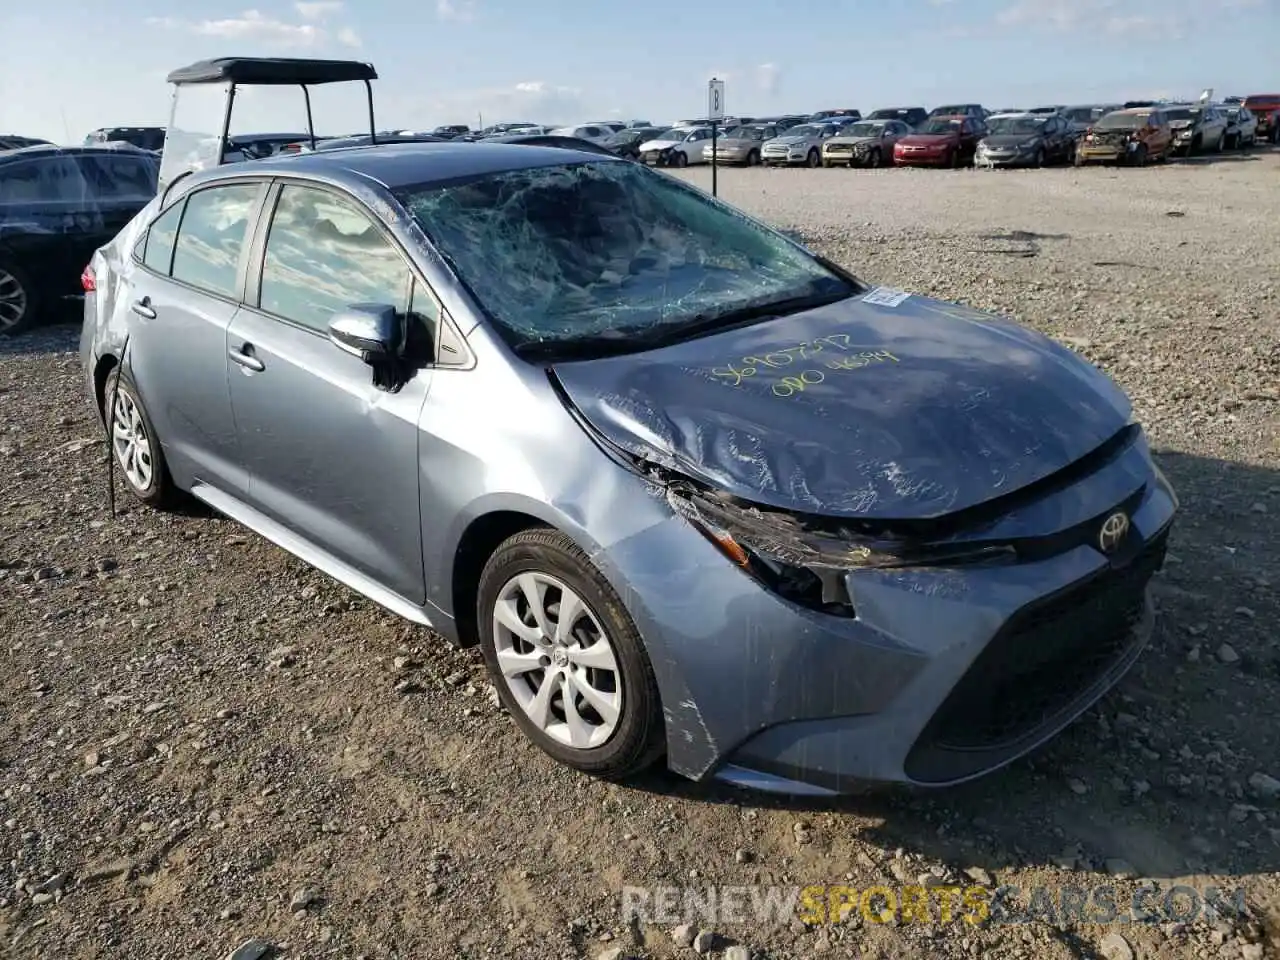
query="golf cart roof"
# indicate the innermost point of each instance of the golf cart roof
(267, 71)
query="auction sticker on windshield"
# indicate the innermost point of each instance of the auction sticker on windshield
(885, 297)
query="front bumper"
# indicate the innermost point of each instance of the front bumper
(1011, 159)
(921, 158)
(931, 684)
(790, 158)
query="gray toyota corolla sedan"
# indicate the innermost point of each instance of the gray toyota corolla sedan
(695, 491)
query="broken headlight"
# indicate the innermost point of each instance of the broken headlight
(806, 560)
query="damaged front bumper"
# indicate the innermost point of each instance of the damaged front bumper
(932, 675)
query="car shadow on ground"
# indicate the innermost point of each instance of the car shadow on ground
(1158, 774)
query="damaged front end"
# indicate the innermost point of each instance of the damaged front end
(806, 559)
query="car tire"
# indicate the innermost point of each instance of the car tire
(753, 158)
(953, 161)
(546, 564)
(19, 300)
(1038, 160)
(678, 159)
(133, 442)
(1140, 156)
(874, 159)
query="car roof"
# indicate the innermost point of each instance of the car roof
(1019, 114)
(50, 150)
(405, 164)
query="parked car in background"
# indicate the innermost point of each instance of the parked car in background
(11, 141)
(1026, 140)
(975, 110)
(58, 205)
(595, 133)
(257, 146)
(741, 145)
(1266, 109)
(364, 140)
(808, 618)
(639, 123)
(532, 130)
(1196, 127)
(1134, 136)
(1083, 116)
(867, 143)
(553, 140)
(800, 145)
(724, 123)
(676, 147)
(147, 138)
(1054, 108)
(1242, 125)
(451, 130)
(823, 116)
(626, 142)
(783, 122)
(943, 141)
(911, 116)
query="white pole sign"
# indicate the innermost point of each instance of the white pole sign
(715, 99)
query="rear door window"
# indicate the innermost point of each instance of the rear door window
(212, 235)
(120, 176)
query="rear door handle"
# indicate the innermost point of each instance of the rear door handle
(143, 308)
(244, 356)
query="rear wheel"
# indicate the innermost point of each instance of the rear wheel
(134, 443)
(19, 301)
(565, 657)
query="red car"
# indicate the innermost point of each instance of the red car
(1266, 107)
(940, 142)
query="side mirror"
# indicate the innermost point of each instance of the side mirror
(374, 332)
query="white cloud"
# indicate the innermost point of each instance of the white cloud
(768, 78)
(459, 11)
(255, 26)
(1172, 19)
(534, 101)
(319, 10)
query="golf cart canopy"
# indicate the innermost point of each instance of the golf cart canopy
(277, 71)
(200, 125)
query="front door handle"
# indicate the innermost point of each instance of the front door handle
(143, 308)
(246, 359)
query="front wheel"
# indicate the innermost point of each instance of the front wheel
(1038, 160)
(813, 159)
(753, 158)
(1140, 156)
(566, 658)
(875, 160)
(678, 159)
(954, 160)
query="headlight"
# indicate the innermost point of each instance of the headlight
(806, 560)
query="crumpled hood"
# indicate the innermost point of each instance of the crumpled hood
(1181, 124)
(887, 411)
(853, 140)
(660, 144)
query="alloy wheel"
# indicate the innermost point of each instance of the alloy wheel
(131, 443)
(13, 300)
(557, 660)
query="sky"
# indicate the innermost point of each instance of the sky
(70, 66)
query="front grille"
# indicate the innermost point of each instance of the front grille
(839, 148)
(1034, 671)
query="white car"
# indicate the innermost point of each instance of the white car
(799, 145)
(677, 147)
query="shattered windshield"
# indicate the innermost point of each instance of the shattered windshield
(599, 249)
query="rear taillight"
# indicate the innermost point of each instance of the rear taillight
(88, 280)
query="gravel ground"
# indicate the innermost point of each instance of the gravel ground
(206, 742)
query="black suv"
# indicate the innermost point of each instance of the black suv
(146, 138)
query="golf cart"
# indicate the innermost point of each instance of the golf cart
(189, 145)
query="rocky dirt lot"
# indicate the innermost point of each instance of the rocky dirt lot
(205, 742)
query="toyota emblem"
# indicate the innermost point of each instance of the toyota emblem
(1114, 529)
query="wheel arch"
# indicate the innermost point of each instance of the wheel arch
(102, 369)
